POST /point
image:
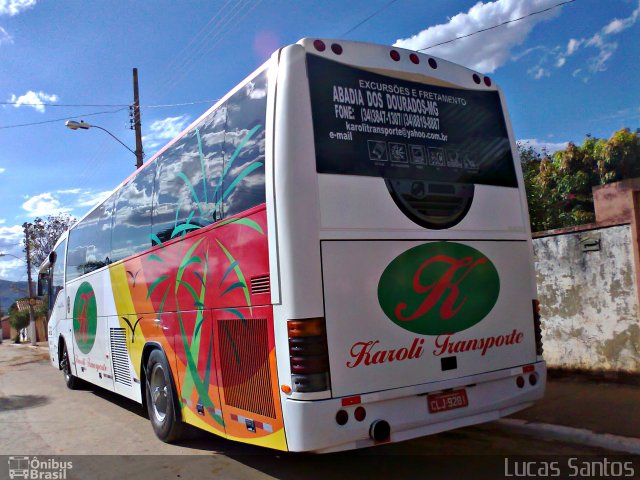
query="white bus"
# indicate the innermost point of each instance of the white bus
(336, 255)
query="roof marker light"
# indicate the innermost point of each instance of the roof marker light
(487, 81)
(432, 63)
(395, 56)
(336, 48)
(476, 78)
(319, 45)
(414, 58)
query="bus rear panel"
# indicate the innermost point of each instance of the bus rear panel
(400, 226)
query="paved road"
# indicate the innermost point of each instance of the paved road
(40, 416)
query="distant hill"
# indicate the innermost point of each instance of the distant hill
(10, 291)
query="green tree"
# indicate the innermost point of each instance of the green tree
(44, 234)
(18, 320)
(559, 187)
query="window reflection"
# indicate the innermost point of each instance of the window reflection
(215, 170)
(132, 221)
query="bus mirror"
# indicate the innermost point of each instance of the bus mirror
(52, 257)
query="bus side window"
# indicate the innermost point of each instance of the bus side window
(90, 242)
(244, 182)
(132, 218)
(184, 198)
(57, 278)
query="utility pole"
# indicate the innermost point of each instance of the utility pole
(136, 120)
(32, 323)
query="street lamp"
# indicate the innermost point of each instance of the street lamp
(12, 255)
(81, 125)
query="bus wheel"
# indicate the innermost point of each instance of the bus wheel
(161, 399)
(71, 381)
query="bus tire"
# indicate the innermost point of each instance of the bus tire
(70, 380)
(161, 397)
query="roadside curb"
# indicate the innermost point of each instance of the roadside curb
(573, 435)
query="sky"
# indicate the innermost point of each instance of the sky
(567, 72)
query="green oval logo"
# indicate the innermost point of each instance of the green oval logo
(85, 317)
(438, 288)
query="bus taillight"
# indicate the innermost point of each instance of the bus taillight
(308, 355)
(537, 324)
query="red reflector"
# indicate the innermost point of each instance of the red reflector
(336, 48)
(414, 58)
(476, 78)
(528, 369)
(360, 414)
(395, 56)
(432, 63)
(351, 401)
(319, 44)
(487, 81)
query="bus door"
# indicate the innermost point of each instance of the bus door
(91, 349)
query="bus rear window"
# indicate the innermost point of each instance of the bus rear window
(376, 125)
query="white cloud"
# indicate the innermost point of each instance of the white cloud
(35, 100)
(63, 201)
(618, 25)
(573, 46)
(539, 72)
(484, 52)
(43, 205)
(12, 269)
(543, 146)
(3, 221)
(5, 38)
(14, 7)
(91, 199)
(164, 130)
(2, 169)
(601, 41)
(11, 238)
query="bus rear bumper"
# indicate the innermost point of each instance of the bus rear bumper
(311, 425)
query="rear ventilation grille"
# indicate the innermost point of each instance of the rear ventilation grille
(260, 284)
(120, 356)
(244, 365)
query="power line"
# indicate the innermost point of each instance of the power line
(106, 105)
(180, 104)
(64, 104)
(368, 18)
(496, 26)
(3, 127)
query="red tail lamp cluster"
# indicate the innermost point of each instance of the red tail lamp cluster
(478, 80)
(308, 355)
(336, 48)
(320, 46)
(342, 416)
(532, 376)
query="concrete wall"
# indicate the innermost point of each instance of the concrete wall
(588, 299)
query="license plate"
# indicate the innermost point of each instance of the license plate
(441, 402)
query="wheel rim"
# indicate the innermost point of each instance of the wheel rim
(159, 392)
(65, 364)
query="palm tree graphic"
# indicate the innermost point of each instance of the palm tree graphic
(82, 318)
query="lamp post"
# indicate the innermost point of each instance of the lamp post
(74, 125)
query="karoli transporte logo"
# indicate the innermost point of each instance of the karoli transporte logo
(85, 317)
(438, 288)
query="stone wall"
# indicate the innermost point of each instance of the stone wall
(587, 290)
